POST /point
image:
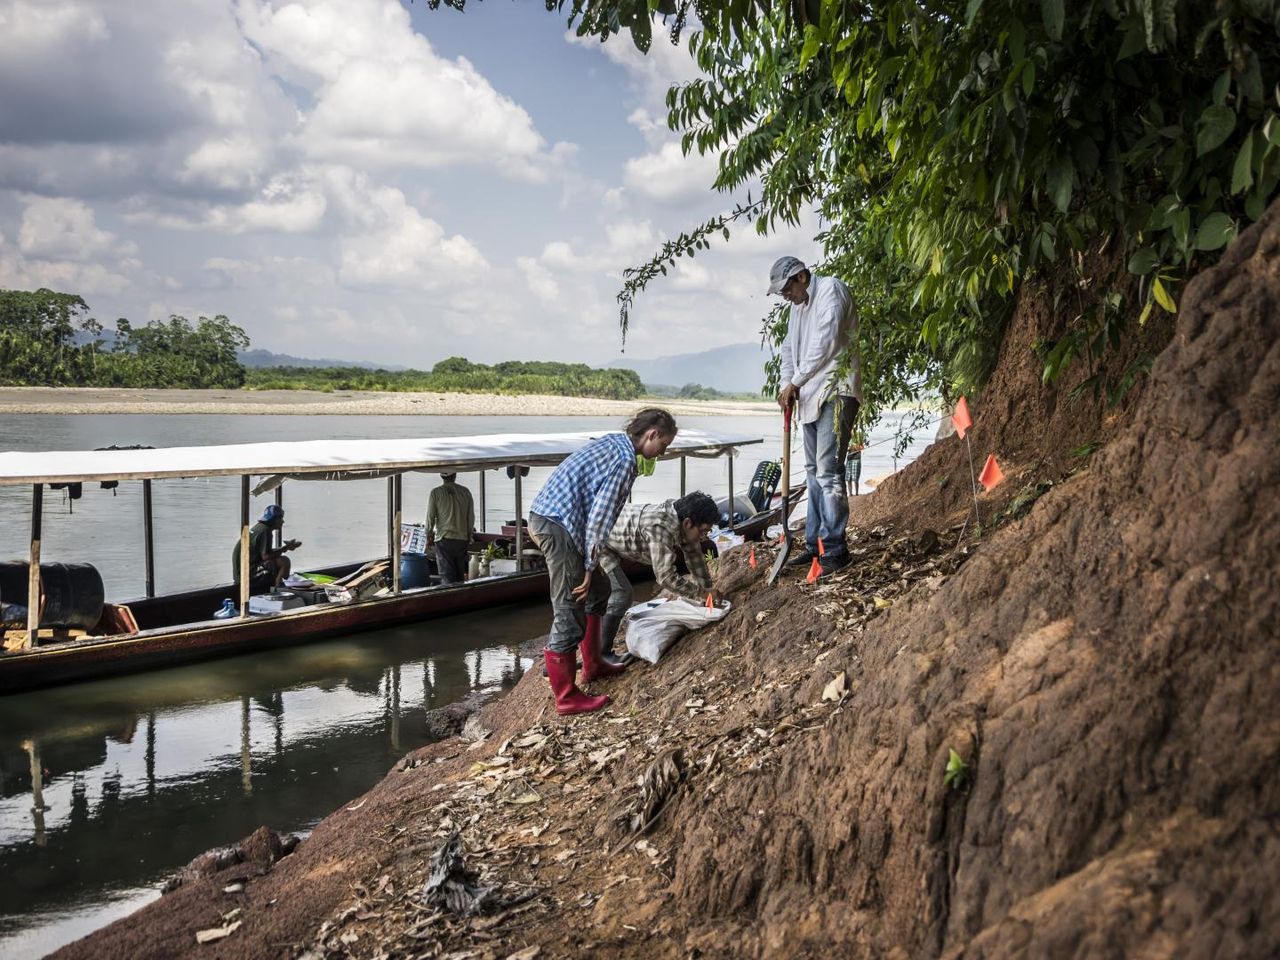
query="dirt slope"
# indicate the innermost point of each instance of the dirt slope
(1107, 666)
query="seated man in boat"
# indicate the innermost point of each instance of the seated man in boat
(655, 533)
(451, 523)
(268, 565)
(570, 520)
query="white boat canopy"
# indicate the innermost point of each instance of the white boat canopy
(327, 459)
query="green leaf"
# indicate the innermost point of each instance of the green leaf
(1059, 177)
(971, 12)
(1028, 77)
(1221, 87)
(1054, 16)
(1242, 171)
(1180, 222)
(812, 44)
(1143, 261)
(1213, 128)
(1215, 230)
(1272, 130)
(1162, 296)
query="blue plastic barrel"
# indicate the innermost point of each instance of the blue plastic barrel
(415, 570)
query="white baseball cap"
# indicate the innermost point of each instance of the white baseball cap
(784, 268)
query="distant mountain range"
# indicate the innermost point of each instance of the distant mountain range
(265, 358)
(737, 368)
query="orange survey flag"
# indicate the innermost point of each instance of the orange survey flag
(822, 551)
(711, 604)
(961, 419)
(991, 473)
(815, 571)
(752, 561)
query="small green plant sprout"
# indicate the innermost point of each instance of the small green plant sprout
(957, 775)
(1086, 450)
(492, 552)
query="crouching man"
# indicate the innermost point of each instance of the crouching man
(654, 534)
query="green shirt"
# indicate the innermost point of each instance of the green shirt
(259, 546)
(450, 512)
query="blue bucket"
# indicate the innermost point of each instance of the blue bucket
(415, 570)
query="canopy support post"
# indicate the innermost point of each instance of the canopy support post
(683, 473)
(732, 511)
(519, 522)
(246, 571)
(277, 536)
(393, 530)
(483, 513)
(148, 538)
(33, 571)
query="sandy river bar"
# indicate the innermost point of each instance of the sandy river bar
(87, 400)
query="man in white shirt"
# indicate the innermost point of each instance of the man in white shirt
(821, 378)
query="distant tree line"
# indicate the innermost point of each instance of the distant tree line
(49, 339)
(459, 375)
(696, 391)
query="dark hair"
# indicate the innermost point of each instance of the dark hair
(652, 418)
(698, 507)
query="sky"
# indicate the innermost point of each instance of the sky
(363, 179)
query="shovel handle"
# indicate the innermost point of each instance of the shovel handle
(786, 468)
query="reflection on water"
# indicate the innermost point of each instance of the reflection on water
(107, 787)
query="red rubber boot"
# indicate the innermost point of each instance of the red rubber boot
(592, 664)
(569, 699)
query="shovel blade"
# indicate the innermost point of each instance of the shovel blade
(780, 561)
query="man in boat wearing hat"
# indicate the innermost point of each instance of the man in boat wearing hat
(821, 378)
(656, 534)
(570, 520)
(268, 565)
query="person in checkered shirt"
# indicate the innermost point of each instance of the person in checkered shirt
(570, 520)
(656, 534)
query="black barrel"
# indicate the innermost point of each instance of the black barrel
(73, 592)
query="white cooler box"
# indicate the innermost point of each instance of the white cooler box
(274, 602)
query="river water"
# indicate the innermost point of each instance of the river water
(140, 774)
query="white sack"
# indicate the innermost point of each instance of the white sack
(654, 626)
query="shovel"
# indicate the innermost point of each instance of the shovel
(784, 551)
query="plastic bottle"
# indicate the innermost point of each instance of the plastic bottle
(228, 610)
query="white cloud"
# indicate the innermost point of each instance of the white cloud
(668, 176)
(227, 163)
(384, 98)
(39, 28)
(59, 228)
(540, 280)
(391, 243)
(60, 246)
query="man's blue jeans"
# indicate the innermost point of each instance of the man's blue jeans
(826, 442)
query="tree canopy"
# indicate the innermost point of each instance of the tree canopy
(955, 149)
(48, 339)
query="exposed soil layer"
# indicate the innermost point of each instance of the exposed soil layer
(1105, 666)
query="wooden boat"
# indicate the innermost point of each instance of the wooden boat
(160, 631)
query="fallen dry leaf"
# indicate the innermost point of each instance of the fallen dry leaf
(217, 933)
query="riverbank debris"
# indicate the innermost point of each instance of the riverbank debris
(451, 885)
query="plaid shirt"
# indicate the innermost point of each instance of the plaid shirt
(651, 533)
(586, 492)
